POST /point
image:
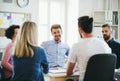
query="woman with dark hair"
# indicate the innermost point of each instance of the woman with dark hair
(6, 62)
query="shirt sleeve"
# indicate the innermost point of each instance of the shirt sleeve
(43, 45)
(44, 62)
(67, 52)
(6, 58)
(72, 56)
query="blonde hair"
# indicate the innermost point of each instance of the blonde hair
(25, 39)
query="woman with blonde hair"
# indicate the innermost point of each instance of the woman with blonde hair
(29, 60)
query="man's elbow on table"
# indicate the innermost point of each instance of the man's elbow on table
(70, 68)
(68, 73)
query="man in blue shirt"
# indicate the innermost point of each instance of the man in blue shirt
(56, 49)
(113, 44)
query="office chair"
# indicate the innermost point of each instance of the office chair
(69, 80)
(100, 67)
(21, 80)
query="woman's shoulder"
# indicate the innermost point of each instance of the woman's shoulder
(37, 48)
(9, 45)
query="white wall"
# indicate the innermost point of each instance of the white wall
(32, 8)
(75, 9)
(87, 7)
(71, 19)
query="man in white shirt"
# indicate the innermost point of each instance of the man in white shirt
(85, 48)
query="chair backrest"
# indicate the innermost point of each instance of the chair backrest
(20, 80)
(100, 67)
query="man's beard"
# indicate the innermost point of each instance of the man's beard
(58, 38)
(106, 37)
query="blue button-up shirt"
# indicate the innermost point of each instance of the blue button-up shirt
(56, 52)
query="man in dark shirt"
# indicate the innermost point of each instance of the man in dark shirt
(113, 44)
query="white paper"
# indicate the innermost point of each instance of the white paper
(57, 70)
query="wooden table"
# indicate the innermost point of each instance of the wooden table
(60, 77)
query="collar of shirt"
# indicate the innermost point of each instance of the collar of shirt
(57, 42)
(111, 40)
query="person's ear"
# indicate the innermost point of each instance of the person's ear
(111, 32)
(80, 30)
(51, 33)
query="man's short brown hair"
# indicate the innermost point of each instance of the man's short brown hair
(55, 26)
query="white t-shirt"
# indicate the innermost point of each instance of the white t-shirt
(84, 49)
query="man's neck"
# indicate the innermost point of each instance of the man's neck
(58, 41)
(109, 39)
(87, 35)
